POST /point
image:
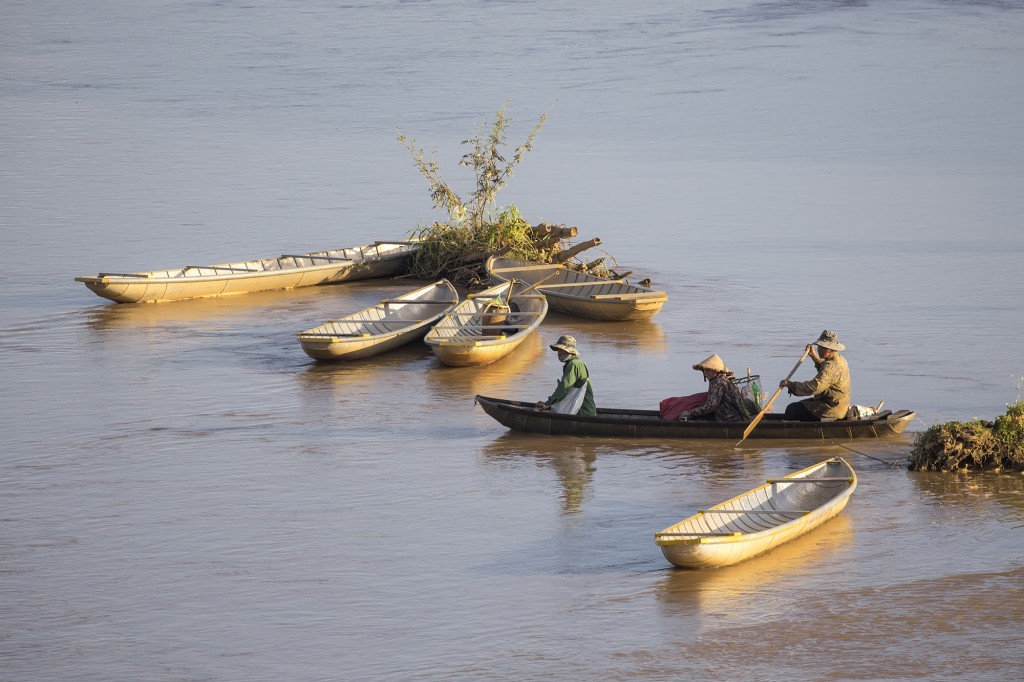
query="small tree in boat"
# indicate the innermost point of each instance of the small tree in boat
(476, 227)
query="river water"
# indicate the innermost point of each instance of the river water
(186, 496)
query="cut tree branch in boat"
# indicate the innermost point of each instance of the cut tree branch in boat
(560, 231)
(579, 248)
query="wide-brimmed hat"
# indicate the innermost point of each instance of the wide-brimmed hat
(714, 363)
(830, 340)
(566, 343)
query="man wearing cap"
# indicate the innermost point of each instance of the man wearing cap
(574, 374)
(830, 388)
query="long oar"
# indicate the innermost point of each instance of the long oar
(746, 432)
(532, 286)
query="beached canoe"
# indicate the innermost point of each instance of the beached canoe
(609, 422)
(760, 519)
(391, 323)
(475, 333)
(580, 293)
(380, 259)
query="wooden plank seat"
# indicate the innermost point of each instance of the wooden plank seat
(825, 479)
(314, 256)
(218, 267)
(753, 511)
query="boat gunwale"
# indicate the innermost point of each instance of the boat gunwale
(839, 497)
(409, 326)
(626, 416)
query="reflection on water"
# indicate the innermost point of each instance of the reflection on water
(733, 590)
(963, 490)
(573, 461)
(644, 335)
(496, 379)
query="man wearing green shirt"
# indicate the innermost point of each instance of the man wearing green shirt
(574, 375)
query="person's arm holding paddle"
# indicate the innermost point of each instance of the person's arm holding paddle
(768, 405)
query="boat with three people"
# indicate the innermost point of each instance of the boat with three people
(629, 423)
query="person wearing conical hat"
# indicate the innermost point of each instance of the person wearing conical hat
(830, 387)
(574, 375)
(724, 401)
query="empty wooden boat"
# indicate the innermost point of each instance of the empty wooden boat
(477, 332)
(380, 259)
(580, 293)
(761, 519)
(391, 323)
(625, 423)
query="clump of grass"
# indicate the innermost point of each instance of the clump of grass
(977, 444)
(456, 249)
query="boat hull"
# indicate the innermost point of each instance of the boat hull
(761, 519)
(464, 337)
(615, 423)
(285, 272)
(380, 328)
(581, 294)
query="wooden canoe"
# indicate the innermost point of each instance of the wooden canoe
(380, 259)
(760, 519)
(467, 336)
(391, 323)
(580, 293)
(624, 423)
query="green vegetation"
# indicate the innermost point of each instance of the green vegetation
(977, 444)
(476, 227)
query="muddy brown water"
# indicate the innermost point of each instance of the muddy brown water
(186, 495)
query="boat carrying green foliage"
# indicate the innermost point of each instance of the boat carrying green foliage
(977, 444)
(476, 227)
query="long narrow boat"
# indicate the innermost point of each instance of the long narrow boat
(580, 293)
(391, 323)
(760, 519)
(469, 335)
(624, 423)
(380, 259)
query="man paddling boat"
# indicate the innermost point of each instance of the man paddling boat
(830, 388)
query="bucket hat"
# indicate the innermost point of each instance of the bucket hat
(566, 343)
(830, 340)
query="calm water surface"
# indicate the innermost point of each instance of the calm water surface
(186, 496)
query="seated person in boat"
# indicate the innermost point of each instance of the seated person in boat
(575, 381)
(830, 388)
(723, 401)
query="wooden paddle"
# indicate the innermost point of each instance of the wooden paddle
(532, 286)
(746, 432)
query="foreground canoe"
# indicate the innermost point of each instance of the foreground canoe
(609, 422)
(470, 335)
(380, 259)
(580, 293)
(391, 323)
(765, 517)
